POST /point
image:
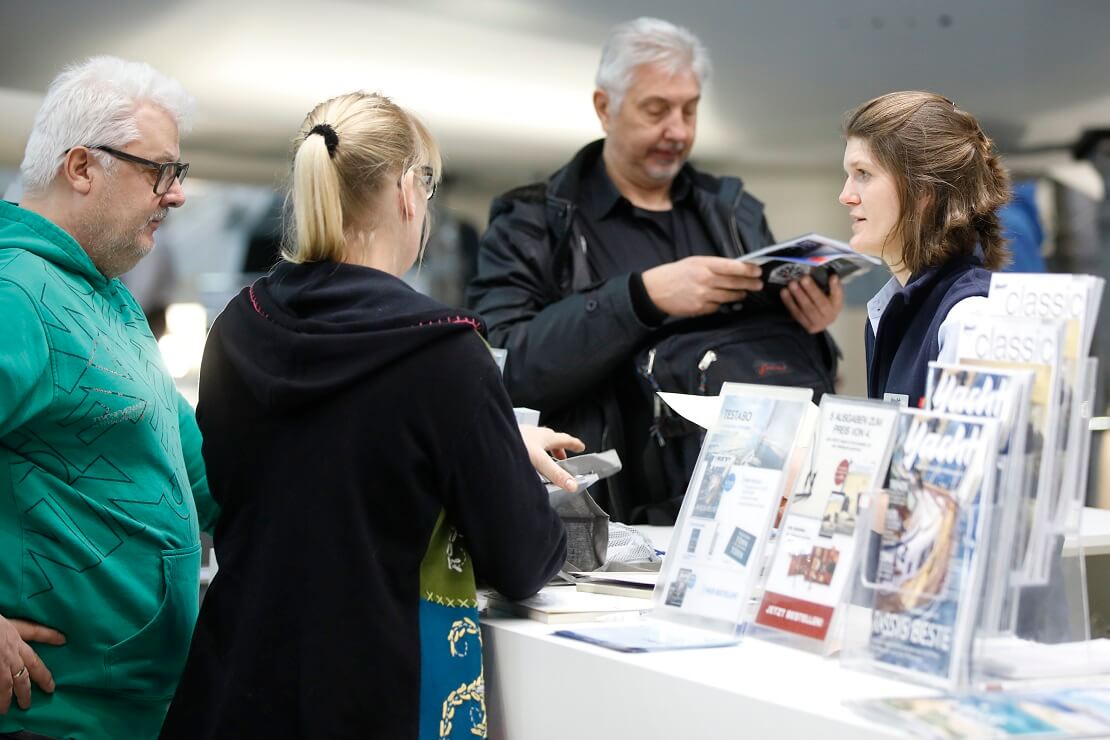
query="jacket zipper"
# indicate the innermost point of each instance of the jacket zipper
(656, 403)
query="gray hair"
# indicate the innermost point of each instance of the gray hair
(648, 41)
(93, 104)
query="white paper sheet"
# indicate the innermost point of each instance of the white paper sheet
(701, 410)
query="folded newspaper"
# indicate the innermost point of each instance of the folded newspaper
(817, 256)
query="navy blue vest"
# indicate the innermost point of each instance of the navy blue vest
(898, 358)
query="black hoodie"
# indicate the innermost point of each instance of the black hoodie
(346, 417)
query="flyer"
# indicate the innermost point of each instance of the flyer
(815, 558)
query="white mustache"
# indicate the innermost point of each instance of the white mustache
(159, 215)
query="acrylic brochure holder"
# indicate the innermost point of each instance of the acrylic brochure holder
(703, 593)
(925, 541)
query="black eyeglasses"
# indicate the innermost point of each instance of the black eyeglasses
(427, 177)
(167, 171)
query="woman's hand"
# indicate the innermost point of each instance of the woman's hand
(540, 441)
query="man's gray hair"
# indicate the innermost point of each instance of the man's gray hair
(648, 41)
(94, 104)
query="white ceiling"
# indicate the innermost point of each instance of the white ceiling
(506, 83)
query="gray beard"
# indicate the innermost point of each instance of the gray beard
(113, 251)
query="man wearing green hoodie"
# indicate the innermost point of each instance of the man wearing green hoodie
(102, 485)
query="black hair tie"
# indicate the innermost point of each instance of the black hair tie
(331, 139)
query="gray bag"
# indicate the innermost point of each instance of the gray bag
(586, 523)
(587, 527)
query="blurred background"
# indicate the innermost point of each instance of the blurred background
(506, 87)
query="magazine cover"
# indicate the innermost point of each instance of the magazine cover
(815, 557)
(933, 545)
(1034, 345)
(1073, 299)
(817, 256)
(718, 542)
(1002, 395)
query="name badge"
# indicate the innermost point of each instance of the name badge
(898, 399)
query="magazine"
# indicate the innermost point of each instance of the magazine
(1002, 395)
(817, 256)
(1073, 299)
(1034, 345)
(815, 557)
(933, 546)
(554, 604)
(1039, 712)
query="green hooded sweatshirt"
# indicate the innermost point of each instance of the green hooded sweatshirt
(101, 483)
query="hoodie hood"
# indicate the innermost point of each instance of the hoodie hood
(25, 231)
(306, 331)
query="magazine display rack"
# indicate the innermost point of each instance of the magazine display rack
(963, 582)
(704, 589)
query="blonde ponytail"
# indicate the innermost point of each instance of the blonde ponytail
(317, 205)
(347, 150)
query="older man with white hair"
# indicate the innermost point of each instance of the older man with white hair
(618, 272)
(103, 489)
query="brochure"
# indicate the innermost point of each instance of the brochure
(648, 636)
(588, 468)
(935, 536)
(815, 558)
(817, 256)
(563, 604)
(1040, 712)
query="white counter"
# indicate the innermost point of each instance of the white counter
(540, 687)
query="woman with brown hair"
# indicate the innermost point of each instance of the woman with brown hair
(923, 189)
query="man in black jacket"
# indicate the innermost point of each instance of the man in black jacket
(579, 273)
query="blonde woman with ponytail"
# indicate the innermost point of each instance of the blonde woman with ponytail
(368, 465)
(923, 190)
